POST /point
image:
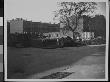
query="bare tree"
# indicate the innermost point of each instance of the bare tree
(69, 13)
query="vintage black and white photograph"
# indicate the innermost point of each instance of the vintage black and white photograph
(1, 40)
(56, 40)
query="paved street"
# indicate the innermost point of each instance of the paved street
(38, 63)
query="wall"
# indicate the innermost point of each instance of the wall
(27, 26)
(40, 27)
(21, 26)
(16, 26)
(54, 35)
(87, 35)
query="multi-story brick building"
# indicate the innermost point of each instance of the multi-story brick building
(23, 26)
(20, 25)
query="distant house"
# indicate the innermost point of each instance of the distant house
(87, 35)
(52, 35)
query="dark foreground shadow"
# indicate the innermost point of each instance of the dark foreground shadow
(23, 62)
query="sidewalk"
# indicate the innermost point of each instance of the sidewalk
(90, 67)
(98, 45)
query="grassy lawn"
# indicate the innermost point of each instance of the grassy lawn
(28, 61)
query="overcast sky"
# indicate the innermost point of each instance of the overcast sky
(37, 10)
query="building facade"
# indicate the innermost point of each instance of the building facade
(87, 35)
(16, 26)
(82, 31)
(20, 25)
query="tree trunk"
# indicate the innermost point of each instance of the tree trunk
(75, 28)
(73, 36)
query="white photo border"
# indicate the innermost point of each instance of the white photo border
(107, 45)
